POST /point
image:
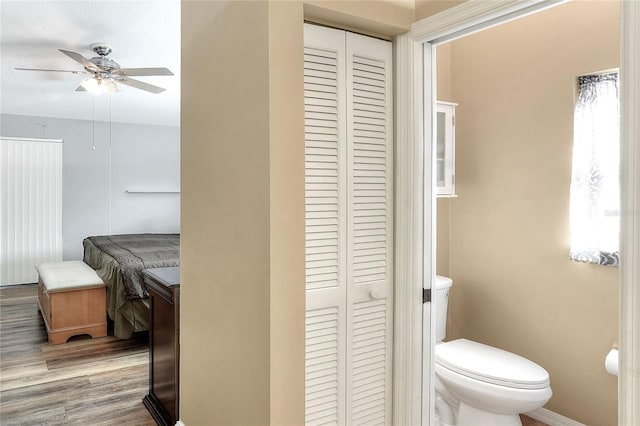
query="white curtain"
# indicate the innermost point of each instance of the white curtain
(595, 188)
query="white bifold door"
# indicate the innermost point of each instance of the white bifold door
(349, 235)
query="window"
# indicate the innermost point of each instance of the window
(595, 178)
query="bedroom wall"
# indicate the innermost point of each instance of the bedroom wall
(94, 182)
(514, 285)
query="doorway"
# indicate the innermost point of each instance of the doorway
(508, 227)
(414, 61)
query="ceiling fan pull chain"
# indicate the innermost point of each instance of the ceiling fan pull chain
(93, 101)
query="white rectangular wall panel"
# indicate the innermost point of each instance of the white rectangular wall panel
(30, 207)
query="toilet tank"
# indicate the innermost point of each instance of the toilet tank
(441, 299)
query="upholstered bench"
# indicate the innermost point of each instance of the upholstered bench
(72, 299)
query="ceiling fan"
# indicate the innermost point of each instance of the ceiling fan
(107, 72)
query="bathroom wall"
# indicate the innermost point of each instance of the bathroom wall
(514, 286)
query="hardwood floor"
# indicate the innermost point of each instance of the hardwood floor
(82, 382)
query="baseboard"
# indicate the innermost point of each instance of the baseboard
(551, 418)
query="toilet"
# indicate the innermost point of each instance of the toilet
(477, 384)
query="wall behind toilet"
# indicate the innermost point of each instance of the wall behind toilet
(506, 241)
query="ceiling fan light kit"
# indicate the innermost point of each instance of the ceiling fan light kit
(107, 72)
(98, 86)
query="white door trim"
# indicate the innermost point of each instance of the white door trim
(472, 16)
(409, 240)
(629, 378)
(415, 214)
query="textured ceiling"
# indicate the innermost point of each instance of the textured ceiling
(141, 33)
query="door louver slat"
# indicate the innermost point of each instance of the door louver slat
(369, 362)
(321, 366)
(321, 164)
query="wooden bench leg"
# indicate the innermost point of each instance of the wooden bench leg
(61, 336)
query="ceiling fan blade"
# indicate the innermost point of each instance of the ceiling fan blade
(81, 60)
(142, 71)
(141, 85)
(43, 69)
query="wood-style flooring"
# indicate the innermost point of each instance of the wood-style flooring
(82, 382)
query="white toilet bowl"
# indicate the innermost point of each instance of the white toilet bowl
(478, 384)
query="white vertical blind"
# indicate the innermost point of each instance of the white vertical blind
(30, 207)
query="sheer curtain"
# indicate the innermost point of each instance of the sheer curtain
(595, 190)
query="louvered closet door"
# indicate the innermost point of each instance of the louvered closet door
(348, 159)
(370, 235)
(325, 199)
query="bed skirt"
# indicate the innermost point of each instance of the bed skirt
(128, 315)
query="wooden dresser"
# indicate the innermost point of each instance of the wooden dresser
(164, 344)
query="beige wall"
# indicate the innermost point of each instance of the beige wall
(380, 18)
(242, 202)
(242, 313)
(514, 286)
(425, 8)
(287, 310)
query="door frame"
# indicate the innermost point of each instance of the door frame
(415, 207)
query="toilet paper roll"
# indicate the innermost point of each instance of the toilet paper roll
(611, 362)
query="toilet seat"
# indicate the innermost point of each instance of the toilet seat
(491, 365)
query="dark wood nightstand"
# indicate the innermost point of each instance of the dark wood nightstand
(164, 344)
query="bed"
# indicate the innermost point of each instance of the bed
(119, 260)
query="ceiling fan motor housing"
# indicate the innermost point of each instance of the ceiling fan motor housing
(101, 60)
(104, 63)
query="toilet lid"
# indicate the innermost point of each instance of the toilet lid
(492, 365)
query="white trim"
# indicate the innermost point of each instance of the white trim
(469, 17)
(629, 377)
(552, 419)
(472, 16)
(179, 423)
(429, 230)
(407, 358)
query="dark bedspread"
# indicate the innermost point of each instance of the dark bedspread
(135, 252)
